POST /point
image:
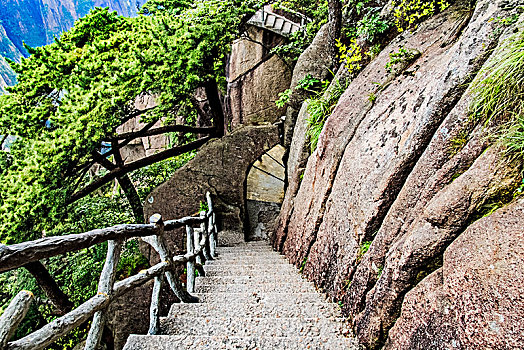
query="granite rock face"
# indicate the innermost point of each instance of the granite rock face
(221, 167)
(255, 78)
(394, 182)
(474, 301)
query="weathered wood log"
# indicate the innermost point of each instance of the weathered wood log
(178, 223)
(154, 310)
(13, 315)
(159, 244)
(63, 325)
(17, 255)
(205, 245)
(47, 283)
(190, 268)
(196, 238)
(211, 227)
(105, 286)
(122, 287)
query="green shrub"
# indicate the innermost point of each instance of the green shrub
(408, 13)
(371, 26)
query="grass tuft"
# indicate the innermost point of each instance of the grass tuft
(499, 94)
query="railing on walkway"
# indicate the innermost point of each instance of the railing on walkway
(201, 246)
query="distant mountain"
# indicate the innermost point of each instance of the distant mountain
(36, 22)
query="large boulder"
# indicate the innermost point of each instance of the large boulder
(221, 167)
(474, 301)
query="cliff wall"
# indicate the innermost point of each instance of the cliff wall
(389, 203)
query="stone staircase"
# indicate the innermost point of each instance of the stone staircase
(251, 298)
(277, 24)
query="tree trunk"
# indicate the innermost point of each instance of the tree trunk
(213, 96)
(335, 29)
(49, 286)
(129, 189)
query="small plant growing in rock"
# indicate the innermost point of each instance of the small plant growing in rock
(283, 98)
(403, 55)
(303, 265)
(364, 247)
(204, 206)
(372, 97)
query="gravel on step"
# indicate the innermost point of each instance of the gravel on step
(261, 297)
(240, 326)
(170, 342)
(256, 310)
(260, 287)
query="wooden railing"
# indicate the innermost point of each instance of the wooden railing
(201, 246)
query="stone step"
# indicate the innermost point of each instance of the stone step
(250, 270)
(250, 260)
(258, 288)
(170, 342)
(252, 280)
(262, 297)
(255, 310)
(246, 249)
(240, 326)
(239, 255)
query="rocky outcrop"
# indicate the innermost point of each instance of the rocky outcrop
(474, 300)
(221, 167)
(314, 61)
(403, 175)
(255, 77)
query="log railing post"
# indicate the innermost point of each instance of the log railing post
(190, 269)
(158, 243)
(154, 310)
(105, 287)
(211, 227)
(13, 315)
(205, 233)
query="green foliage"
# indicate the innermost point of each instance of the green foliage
(364, 247)
(498, 91)
(403, 55)
(74, 93)
(204, 206)
(371, 26)
(308, 84)
(284, 98)
(408, 13)
(146, 179)
(319, 109)
(372, 97)
(351, 55)
(317, 11)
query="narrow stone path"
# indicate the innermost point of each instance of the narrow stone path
(251, 298)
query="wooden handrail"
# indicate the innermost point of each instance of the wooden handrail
(201, 246)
